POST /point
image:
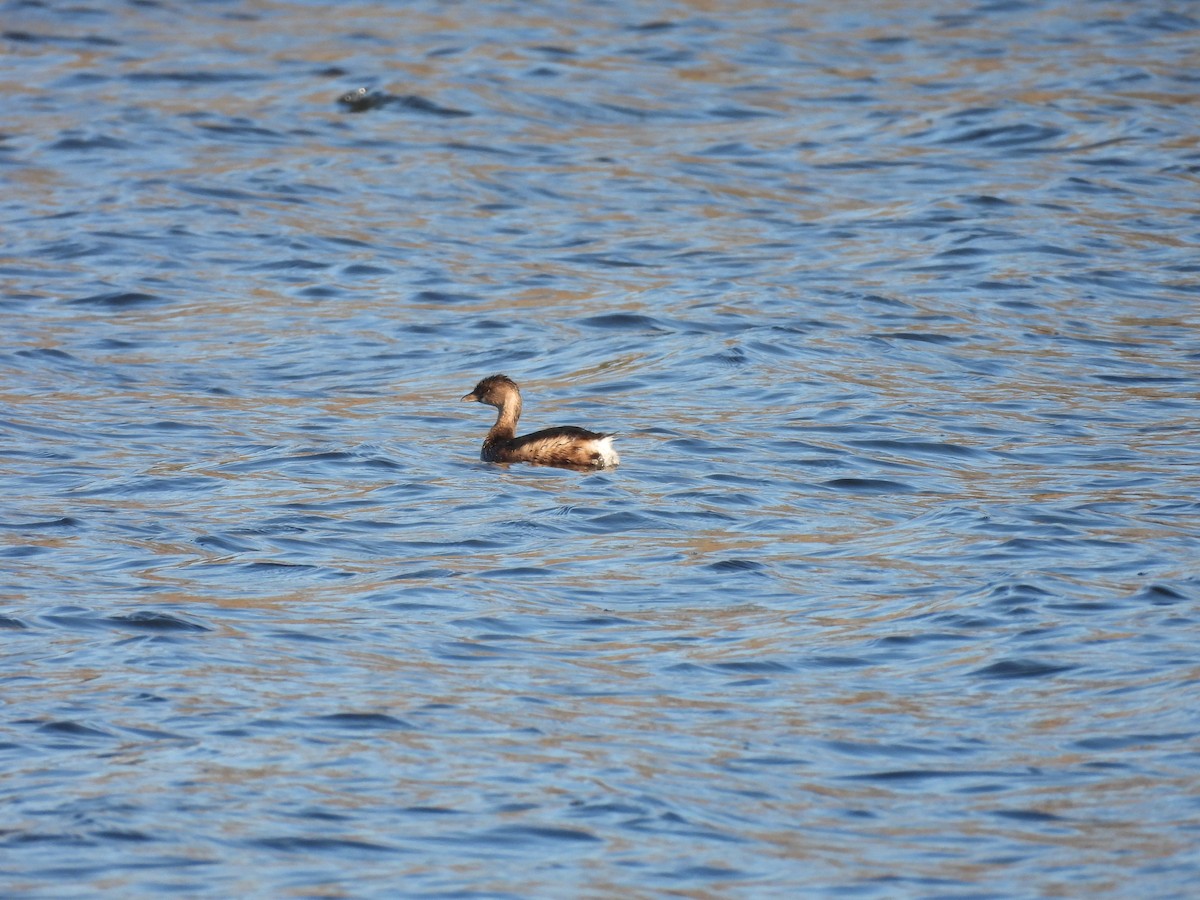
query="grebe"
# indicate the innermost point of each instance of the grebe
(565, 445)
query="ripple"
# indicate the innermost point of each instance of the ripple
(868, 485)
(120, 299)
(147, 620)
(623, 322)
(321, 845)
(737, 565)
(363, 722)
(1004, 135)
(65, 728)
(1020, 668)
(536, 834)
(921, 448)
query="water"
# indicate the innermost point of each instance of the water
(894, 594)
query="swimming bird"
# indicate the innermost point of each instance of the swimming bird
(564, 445)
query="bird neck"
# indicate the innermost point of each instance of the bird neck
(506, 421)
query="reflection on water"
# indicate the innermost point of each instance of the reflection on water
(893, 593)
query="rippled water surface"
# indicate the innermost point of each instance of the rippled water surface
(895, 308)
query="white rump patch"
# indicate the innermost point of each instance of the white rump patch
(608, 453)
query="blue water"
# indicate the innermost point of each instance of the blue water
(896, 309)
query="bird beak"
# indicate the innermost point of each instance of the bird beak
(469, 398)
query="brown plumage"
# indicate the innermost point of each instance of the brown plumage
(565, 445)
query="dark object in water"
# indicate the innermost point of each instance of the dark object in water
(361, 100)
(565, 445)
